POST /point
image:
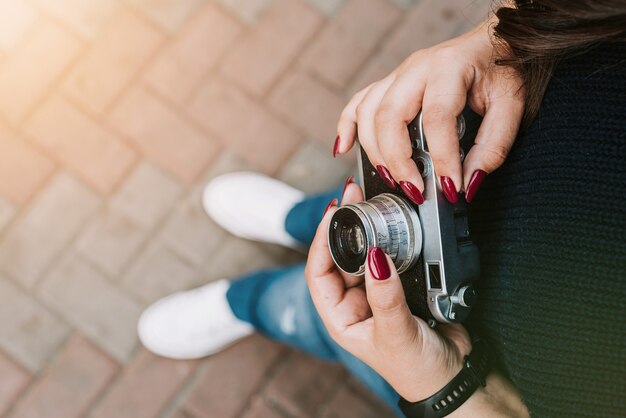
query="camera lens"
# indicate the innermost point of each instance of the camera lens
(354, 240)
(386, 221)
(348, 238)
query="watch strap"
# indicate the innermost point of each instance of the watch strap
(475, 369)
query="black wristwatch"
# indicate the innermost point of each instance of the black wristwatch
(476, 366)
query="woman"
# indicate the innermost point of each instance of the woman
(549, 223)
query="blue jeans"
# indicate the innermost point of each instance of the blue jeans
(277, 303)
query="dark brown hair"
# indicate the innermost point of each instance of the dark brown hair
(537, 34)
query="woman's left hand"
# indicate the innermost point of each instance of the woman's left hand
(372, 320)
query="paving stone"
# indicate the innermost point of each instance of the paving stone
(241, 255)
(257, 61)
(14, 380)
(328, 7)
(101, 311)
(313, 169)
(111, 240)
(159, 272)
(191, 233)
(309, 105)
(345, 43)
(178, 414)
(29, 333)
(243, 125)
(362, 391)
(163, 136)
(378, 67)
(348, 404)
(227, 162)
(180, 68)
(230, 72)
(169, 14)
(248, 11)
(284, 256)
(260, 408)
(69, 384)
(302, 384)
(37, 236)
(473, 13)
(23, 169)
(115, 56)
(16, 19)
(81, 144)
(146, 196)
(7, 211)
(84, 17)
(428, 23)
(22, 84)
(358, 387)
(231, 377)
(404, 4)
(144, 388)
(237, 256)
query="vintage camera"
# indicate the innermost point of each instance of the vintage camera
(429, 244)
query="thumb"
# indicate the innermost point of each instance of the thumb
(393, 321)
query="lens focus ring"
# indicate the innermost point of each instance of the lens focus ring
(386, 221)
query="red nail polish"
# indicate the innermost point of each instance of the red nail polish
(330, 205)
(412, 192)
(349, 180)
(449, 189)
(336, 147)
(475, 181)
(385, 175)
(378, 264)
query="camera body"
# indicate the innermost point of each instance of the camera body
(439, 280)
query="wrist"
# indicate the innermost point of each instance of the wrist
(417, 391)
(458, 390)
(498, 398)
(415, 388)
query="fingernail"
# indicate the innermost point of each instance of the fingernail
(412, 192)
(449, 190)
(475, 181)
(378, 264)
(330, 205)
(336, 147)
(349, 180)
(385, 175)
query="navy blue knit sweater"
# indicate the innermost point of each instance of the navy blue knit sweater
(551, 227)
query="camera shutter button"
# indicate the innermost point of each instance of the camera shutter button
(466, 296)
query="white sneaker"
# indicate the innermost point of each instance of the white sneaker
(252, 206)
(192, 324)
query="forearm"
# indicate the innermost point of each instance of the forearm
(499, 398)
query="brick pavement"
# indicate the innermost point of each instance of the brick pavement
(113, 114)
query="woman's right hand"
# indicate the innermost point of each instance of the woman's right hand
(370, 318)
(440, 81)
